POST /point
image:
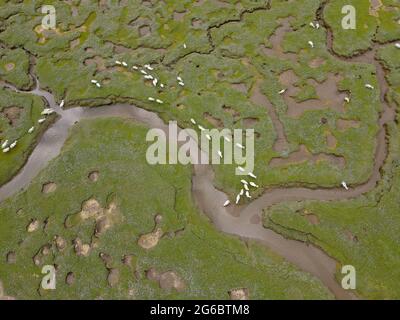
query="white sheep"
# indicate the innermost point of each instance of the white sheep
(227, 203)
(251, 174)
(5, 143)
(238, 198)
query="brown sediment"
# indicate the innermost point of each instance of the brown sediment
(217, 123)
(239, 294)
(70, 278)
(49, 187)
(9, 66)
(12, 114)
(150, 240)
(375, 6)
(98, 61)
(241, 87)
(257, 97)
(33, 226)
(276, 40)
(303, 155)
(316, 63)
(343, 125)
(179, 16)
(311, 218)
(94, 176)
(144, 30)
(250, 122)
(329, 97)
(197, 23)
(75, 43)
(234, 113)
(331, 141)
(113, 277)
(170, 280)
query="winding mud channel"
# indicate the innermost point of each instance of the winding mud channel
(243, 221)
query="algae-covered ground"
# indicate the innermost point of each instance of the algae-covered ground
(106, 166)
(116, 227)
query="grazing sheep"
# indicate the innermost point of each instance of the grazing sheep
(5, 143)
(251, 174)
(238, 198)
